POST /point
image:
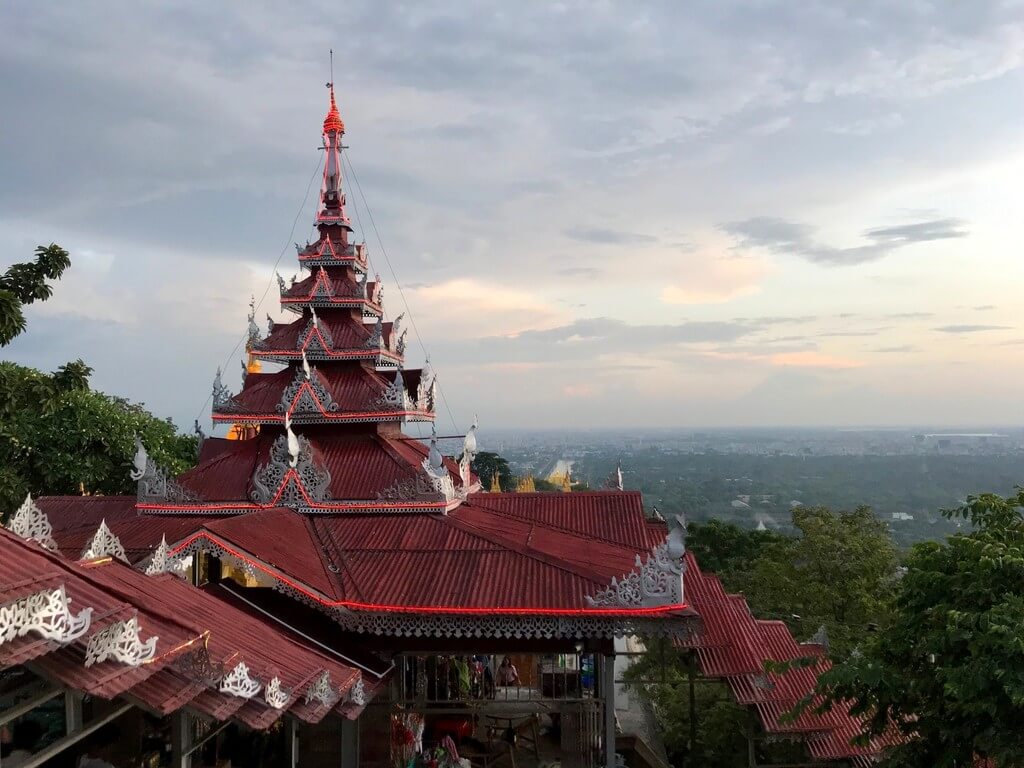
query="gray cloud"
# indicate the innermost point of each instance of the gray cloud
(920, 232)
(608, 236)
(896, 350)
(984, 307)
(972, 328)
(909, 315)
(793, 239)
(481, 137)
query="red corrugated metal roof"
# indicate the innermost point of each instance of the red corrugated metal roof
(184, 619)
(473, 557)
(362, 463)
(76, 518)
(736, 647)
(354, 387)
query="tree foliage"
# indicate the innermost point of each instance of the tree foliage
(486, 464)
(58, 436)
(25, 283)
(948, 670)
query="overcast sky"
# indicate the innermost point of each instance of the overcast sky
(602, 214)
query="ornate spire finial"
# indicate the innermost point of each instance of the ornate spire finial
(469, 443)
(293, 443)
(305, 364)
(333, 121)
(436, 460)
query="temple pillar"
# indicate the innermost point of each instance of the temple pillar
(291, 736)
(181, 740)
(607, 681)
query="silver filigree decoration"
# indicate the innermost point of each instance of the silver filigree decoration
(400, 346)
(396, 326)
(221, 394)
(469, 447)
(425, 389)
(418, 487)
(306, 395)
(376, 340)
(239, 683)
(324, 288)
(395, 396)
(120, 642)
(614, 481)
(47, 614)
(321, 690)
(656, 516)
(281, 286)
(436, 471)
(357, 693)
(291, 485)
(104, 544)
(270, 325)
(30, 523)
(658, 581)
(163, 562)
(253, 330)
(153, 483)
(377, 297)
(275, 695)
(361, 282)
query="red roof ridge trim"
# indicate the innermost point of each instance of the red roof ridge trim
(431, 609)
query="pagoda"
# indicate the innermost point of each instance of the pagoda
(326, 430)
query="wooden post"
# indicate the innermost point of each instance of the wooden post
(751, 732)
(291, 735)
(72, 712)
(608, 693)
(349, 743)
(181, 740)
(691, 672)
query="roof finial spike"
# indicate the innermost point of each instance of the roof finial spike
(333, 122)
(293, 442)
(305, 364)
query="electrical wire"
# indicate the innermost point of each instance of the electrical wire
(270, 282)
(401, 292)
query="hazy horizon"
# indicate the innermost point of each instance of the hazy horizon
(718, 215)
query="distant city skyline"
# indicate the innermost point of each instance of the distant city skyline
(601, 214)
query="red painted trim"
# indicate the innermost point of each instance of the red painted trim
(216, 506)
(276, 417)
(352, 354)
(429, 609)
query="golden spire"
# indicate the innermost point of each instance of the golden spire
(495, 483)
(526, 485)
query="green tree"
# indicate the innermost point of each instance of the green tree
(58, 436)
(726, 549)
(486, 464)
(838, 572)
(24, 283)
(948, 670)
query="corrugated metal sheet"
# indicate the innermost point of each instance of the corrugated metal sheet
(281, 538)
(734, 646)
(612, 516)
(183, 618)
(76, 518)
